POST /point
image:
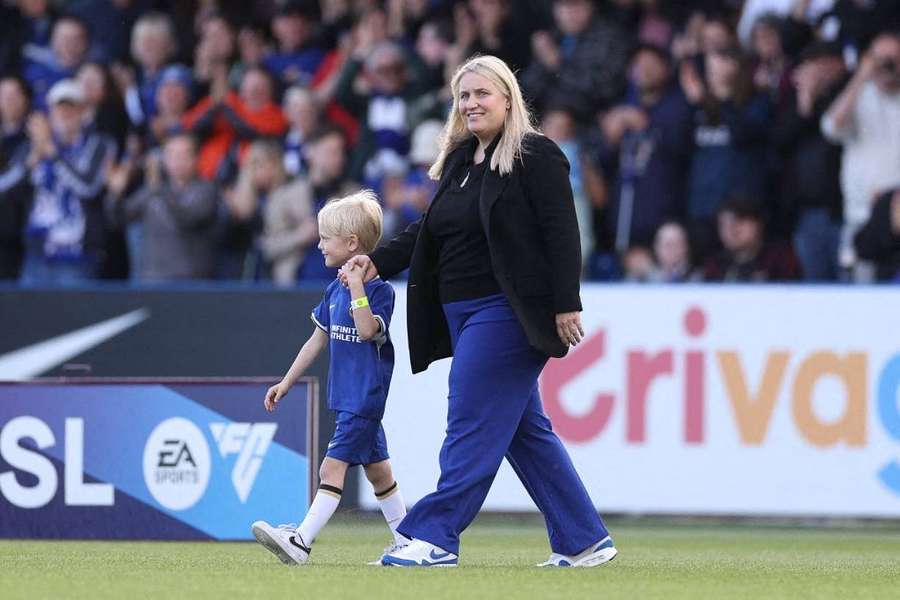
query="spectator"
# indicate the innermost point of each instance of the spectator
(25, 28)
(804, 11)
(15, 189)
(559, 125)
(153, 45)
(173, 98)
(582, 62)
(226, 122)
(65, 228)
(811, 191)
(746, 256)
(69, 44)
(214, 53)
(730, 133)
(105, 110)
(771, 66)
(253, 46)
(290, 230)
(672, 254)
(406, 197)
(865, 119)
(304, 117)
(854, 24)
(495, 31)
(406, 18)
(298, 56)
(646, 143)
(878, 240)
(115, 19)
(637, 264)
(432, 45)
(327, 166)
(262, 172)
(716, 35)
(378, 92)
(177, 210)
(649, 21)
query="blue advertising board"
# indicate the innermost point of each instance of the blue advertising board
(165, 459)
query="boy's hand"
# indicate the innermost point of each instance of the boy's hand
(275, 393)
(352, 273)
(361, 263)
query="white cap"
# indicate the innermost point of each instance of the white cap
(425, 147)
(66, 90)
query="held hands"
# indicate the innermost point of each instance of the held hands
(275, 393)
(364, 264)
(351, 274)
(569, 329)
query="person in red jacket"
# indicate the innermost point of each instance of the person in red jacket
(227, 121)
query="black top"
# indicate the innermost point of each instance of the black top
(464, 259)
(529, 220)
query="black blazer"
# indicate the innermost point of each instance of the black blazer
(529, 219)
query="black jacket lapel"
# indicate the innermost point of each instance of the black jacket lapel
(491, 187)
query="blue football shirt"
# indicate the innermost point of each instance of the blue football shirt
(359, 371)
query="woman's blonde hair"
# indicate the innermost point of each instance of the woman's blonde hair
(358, 214)
(516, 125)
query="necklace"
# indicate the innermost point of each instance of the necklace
(465, 179)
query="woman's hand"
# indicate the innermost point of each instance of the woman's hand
(569, 329)
(360, 261)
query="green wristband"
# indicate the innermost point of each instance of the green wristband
(359, 303)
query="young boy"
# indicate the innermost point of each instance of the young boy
(353, 323)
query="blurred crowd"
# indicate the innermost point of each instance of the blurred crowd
(709, 140)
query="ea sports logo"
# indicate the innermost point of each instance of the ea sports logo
(176, 463)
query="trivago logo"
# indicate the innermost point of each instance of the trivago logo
(752, 399)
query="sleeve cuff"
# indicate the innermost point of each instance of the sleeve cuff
(383, 331)
(316, 321)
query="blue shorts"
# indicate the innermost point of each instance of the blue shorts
(357, 440)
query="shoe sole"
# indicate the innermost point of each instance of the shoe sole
(269, 543)
(592, 560)
(412, 564)
(597, 558)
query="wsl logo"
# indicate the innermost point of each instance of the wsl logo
(176, 464)
(250, 441)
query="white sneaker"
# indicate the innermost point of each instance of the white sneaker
(282, 541)
(419, 553)
(395, 545)
(597, 554)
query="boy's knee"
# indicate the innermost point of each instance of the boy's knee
(332, 472)
(379, 474)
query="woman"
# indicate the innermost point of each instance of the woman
(494, 270)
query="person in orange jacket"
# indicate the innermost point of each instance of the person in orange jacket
(227, 121)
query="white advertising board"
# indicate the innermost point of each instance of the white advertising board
(772, 400)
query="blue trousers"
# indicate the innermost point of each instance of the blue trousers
(494, 412)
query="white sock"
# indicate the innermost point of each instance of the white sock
(393, 509)
(323, 506)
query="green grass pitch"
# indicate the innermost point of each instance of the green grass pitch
(656, 560)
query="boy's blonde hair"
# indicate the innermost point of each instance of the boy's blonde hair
(358, 214)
